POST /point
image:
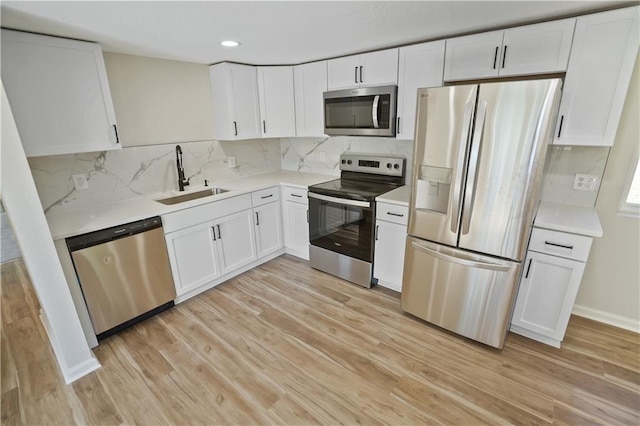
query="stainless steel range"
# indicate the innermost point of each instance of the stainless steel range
(342, 215)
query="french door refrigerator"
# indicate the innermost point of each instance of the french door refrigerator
(478, 160)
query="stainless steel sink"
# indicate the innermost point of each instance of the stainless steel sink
(191, 196)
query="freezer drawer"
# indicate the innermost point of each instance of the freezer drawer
(468, 294)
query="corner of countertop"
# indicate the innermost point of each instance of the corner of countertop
(581, 220)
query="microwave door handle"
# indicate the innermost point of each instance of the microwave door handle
(469, 196)
(374, 111)
(462, 152)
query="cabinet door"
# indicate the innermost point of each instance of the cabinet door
(223, 103)
(268, 220)
(473, 56)
(379, 68)
(602, 59)
(389, 254)
(277, 105)
(59, 94)
(343, 73)
(537, 49)
(296, 229)
(245, 93)
(547, 291)
(236, 239)
(193, 257)
(419, 65)
(234, 93)
(310, 81)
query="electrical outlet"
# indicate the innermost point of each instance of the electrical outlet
(231, 161)
(583, 182)
(80, 182)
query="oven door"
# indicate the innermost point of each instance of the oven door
(342, 225)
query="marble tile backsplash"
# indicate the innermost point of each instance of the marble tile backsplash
(322, 155)
(145, 170)
(562, 163)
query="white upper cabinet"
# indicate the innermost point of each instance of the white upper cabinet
(277, 104)
(234, 91)
(473, 56)
(310, 81)
(602, 59)
(419, 65)
(368, 69)
(530, 49)
(59, 94)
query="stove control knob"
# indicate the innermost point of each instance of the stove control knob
(349, 161)
(388, 165)
(344, 161)
(396, 166)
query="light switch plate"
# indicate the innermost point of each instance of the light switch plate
(584, 182)
(80, 182)
(231, 161)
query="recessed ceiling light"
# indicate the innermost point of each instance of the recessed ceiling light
(229, 43)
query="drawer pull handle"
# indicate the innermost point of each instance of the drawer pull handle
(547, 243)
(528, 269)
(395, 214)
(267, 196)
(296, 195)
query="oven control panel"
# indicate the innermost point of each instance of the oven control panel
(372, 163)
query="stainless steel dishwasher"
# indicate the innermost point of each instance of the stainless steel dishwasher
(124, 274)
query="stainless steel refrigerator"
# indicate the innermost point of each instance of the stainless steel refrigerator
(478, 161)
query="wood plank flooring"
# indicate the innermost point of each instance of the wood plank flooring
(285, 344)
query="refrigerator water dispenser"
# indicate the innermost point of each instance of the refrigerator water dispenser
(433, 189)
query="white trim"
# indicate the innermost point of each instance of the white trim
(624, 208)
(70, 374)
(535, 336)
(607, 318)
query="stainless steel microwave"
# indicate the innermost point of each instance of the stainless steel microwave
(368, 111)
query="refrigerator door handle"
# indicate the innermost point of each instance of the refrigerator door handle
(460, 260)
(469, 195)
(374, 112)
(462, 152)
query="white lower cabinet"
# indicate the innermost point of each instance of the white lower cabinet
(391, 234)
(295, 206)
(550, 281)
(268, 226)
(202, 253)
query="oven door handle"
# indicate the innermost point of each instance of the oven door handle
(342, 201)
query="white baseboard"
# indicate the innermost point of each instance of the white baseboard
(70, 374)
(607, 318)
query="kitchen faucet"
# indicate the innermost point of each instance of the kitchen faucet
(182, 181)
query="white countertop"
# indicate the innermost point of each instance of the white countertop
(399, 196)
(76, 222)
(568, 218)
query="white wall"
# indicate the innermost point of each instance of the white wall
(610, 289)
(159, 101)
(20, 199)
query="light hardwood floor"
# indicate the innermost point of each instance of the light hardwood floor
(285, 344)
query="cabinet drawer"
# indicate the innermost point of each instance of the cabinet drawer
(265, 196)
(297, 195)
(560, 244)
(392, 213)
(204, 213)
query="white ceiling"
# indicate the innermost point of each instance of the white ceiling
(280, 32)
